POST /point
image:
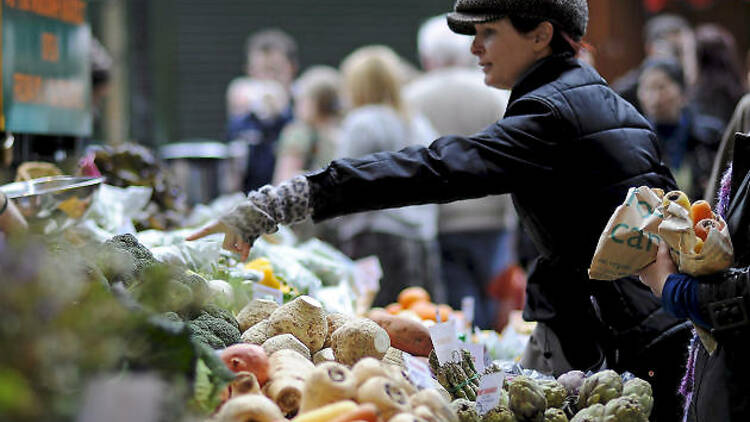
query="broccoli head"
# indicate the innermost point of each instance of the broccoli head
(128, 243)
(216, 332)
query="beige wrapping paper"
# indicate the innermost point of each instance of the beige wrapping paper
(631, 239)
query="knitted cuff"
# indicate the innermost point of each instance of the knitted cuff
(269, 206)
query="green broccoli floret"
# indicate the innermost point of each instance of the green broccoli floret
(197, 284)
(128, 243)
(219, 312)
(216, 332)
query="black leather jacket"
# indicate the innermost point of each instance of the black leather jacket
(568, 149)
(722, 380)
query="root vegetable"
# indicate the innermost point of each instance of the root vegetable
(366, 412)
(328, 383)
(324, 355)
(407, 335)
(285, 341)
(394, 357)
(437, 403)
(388, 397)
(368, 368)
(328, 412)
(288, 372)
(249, 408)
(335, 320)
(406, 417)
(305, 318)
(358, 339)
(401, 377)
(257, 334)
(426, 413)
(255, 311)
(243, 357)
(245, 383)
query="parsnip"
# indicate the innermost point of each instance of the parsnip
(406, 417)
(400, 377)
(249, 408)
(433, 399)
(388, 397)
(288, 371)
(368, 368)
(328, 383)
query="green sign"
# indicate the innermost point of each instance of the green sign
(45, 67)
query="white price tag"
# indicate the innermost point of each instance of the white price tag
(477, 354)
(467, 309)
(490, 388)
(367, 274)
(419, 372)
(262, 292)
(444, 339)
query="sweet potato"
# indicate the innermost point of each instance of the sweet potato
(407, 335)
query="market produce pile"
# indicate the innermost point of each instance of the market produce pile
(281, 336)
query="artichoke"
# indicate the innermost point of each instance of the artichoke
(594, 413)
(555, 415)
(554, 392)
(527, 399)
(572, 381)
(600, 388)
(499, 414)
(624, 409)
(466, 410)
(642, 392)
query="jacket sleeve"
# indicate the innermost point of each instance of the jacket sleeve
(514, 153)
(724, 299)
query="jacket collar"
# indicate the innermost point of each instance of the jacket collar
(543, 71)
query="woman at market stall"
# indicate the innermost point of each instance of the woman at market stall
(717, 382)
(568, 149)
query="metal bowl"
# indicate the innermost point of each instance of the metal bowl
(52, 204)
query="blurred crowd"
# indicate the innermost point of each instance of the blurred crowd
(690, 86)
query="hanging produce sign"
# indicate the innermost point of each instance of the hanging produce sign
(46, 77)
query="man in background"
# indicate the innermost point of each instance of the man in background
(476, 237)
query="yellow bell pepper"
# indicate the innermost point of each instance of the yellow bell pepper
(264, 266)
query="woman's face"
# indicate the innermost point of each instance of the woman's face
(660, 96)
(504, 53)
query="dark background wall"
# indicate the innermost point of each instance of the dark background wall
(181, 54)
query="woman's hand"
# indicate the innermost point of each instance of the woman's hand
(655, 275)
(233, 242)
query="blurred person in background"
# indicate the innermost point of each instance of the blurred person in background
(259, 117)
(310, 141)
(664, 35)
(721, 82)
(11, 220)
(404, 239)
(689, 139)
(476, 237)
